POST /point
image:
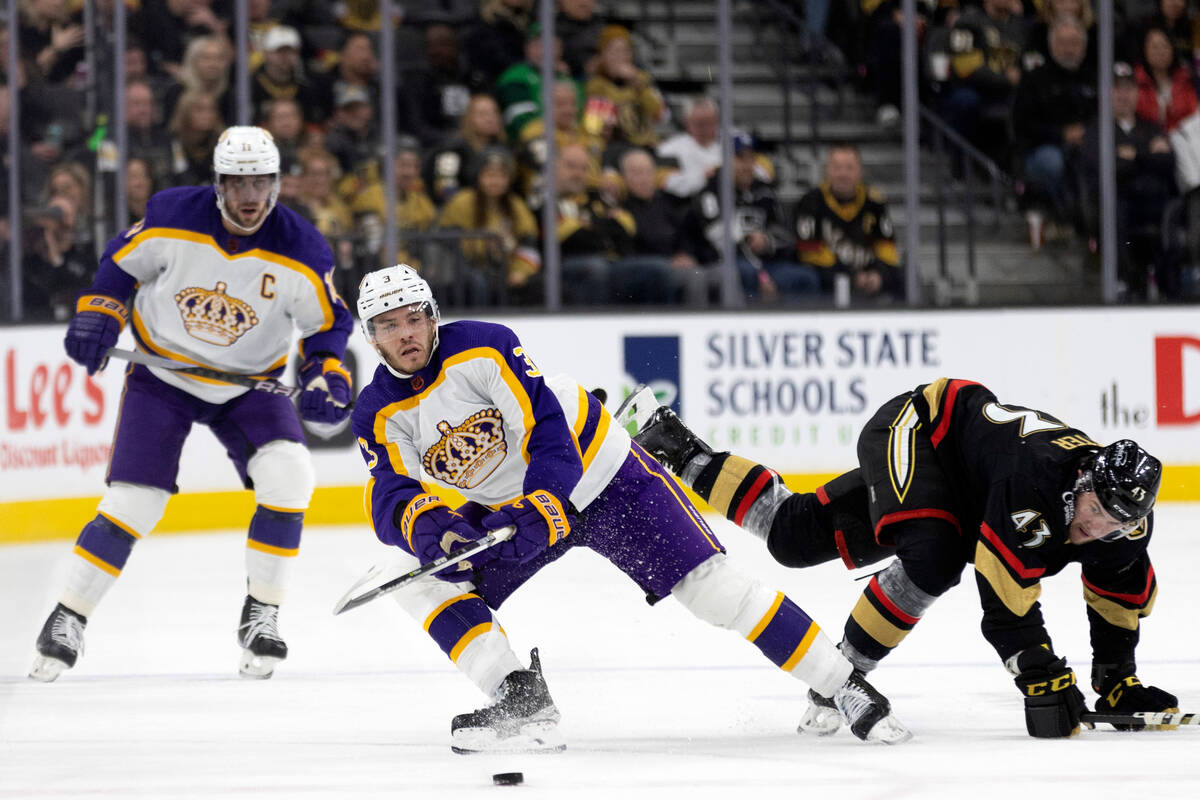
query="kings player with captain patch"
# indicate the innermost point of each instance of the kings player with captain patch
(220, 277)
(463, 407)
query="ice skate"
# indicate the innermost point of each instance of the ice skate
(822, 717)
(522, 720)
(59, 644)
(868, 713)
(258, 634)
(659, 430)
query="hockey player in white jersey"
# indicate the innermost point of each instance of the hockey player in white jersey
(219, 277)
(463, 407)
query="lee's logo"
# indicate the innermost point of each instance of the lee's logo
(46, 394)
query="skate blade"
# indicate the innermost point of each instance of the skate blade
(46, 669)
(536, 737)
(257, 667)
(637, 409)
(889, 730)
(819, 721)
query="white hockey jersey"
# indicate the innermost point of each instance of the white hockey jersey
(209, 298)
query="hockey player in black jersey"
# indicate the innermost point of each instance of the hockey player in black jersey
(949, 476)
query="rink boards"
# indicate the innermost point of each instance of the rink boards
(790, 389)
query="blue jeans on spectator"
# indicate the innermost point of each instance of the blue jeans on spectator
(586, 280)
(793, 281)
(1044, 169)
(643, 280)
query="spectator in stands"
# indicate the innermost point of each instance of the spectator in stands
(357, 66)
(433, 97)
(71, 180)
(496, 41)
(414, 209)
(1145, 173)
(669, 253)
(285, 122)
(1037, 45)
(318, 199)
(1165, 91)
(148, 138)
(353, 138)
(280, 77)
(448, 166)
(592, 234)
(985, 47)
(843, 228)
(620, 95)
(207, 67)
(519, 88)
(696, 153)
(1053, 105)
(139, 185)
(531, 152)
(54, 268)
(51, 39)
(1173, 18)
(579, 27)
(501, 268)
(195, 127)
(765, 247)
(169, 25)
(882, 55)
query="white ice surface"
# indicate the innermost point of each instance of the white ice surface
(655, 703)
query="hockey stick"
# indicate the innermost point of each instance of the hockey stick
(269, 385)
(350, 600)
(1145, 717)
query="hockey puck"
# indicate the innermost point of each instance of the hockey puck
(508, 779)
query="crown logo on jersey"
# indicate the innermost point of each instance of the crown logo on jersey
(469, 452)
(213, 316)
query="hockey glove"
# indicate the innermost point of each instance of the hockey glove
(326, 397)
(1122, 693)
(1053, 702)
(432, 530)
(540, 522)
(95, 327)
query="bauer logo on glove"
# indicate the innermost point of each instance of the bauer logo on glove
(540, 522)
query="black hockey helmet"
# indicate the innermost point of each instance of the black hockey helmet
(1126, 479)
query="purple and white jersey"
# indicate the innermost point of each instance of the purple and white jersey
(481, 419)
(206, 297)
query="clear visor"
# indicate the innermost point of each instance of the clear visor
(393, 326)
(1122, 529)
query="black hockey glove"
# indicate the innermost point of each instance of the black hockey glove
(1053, 702)
(1122, 693)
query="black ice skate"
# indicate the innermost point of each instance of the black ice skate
(522, 720)
(59, 644)
(860, 704)
(258, 633)
(659, 430)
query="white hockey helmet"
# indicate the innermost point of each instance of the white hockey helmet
(245, 150)
(398, 286)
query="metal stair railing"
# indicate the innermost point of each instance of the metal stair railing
(951, 147)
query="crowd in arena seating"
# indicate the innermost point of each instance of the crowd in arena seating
(1018, 79)
(638, 205)
(638, 209)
